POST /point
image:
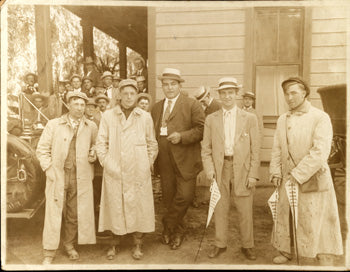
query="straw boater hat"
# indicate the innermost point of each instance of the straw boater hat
(102, 96)
(106, 74)
(75, 76)
(78, 95)
(227, 83)
(201, 93)
(171, 73)
(249, 94)
(127, 82)
(295, 80)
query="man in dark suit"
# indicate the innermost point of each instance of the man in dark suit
(209, 104)
(179, 124)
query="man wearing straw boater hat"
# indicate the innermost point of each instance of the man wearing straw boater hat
(66, 153)
(178, 123)
(209, 103)
(230, 155)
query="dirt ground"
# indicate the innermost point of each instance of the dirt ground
(24, 239)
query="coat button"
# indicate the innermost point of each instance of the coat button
(65, 139)
(289, 127)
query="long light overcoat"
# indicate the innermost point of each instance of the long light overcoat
(126, 149)
(310, 134)
(52, 152)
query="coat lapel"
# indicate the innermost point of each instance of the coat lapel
(176, 108)
(158, 115)
(219, 123)
(240, 120)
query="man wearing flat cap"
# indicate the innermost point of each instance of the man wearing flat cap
(230, 155)
(248, 105)
(178, 123)
(66, 154)
(75, 81)
(208, 103)
(126, 148)
(301, 147)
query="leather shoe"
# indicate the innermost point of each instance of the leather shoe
(176, 241)
(166, 236)
(249, 253)
(216, 251)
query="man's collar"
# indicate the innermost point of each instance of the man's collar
(233, 110)
(303, 108)
(173, 100)
(247, 108)
(64, 119)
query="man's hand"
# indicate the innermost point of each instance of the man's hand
(92, 156)
(276, 181)
(251, 182)
(174, 138)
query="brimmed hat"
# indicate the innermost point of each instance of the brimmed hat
(140, 58)
(77, 94)
(91, 101)
(227, 83)
(89, 60)
(144, 95)
(88, 78)
(171, 73)
(63, 81)
(106, 74)
(140, 78)
(75, 76)
(201, 93)
(127, 82)
(102, 96)
(295, 80)
(249, 94)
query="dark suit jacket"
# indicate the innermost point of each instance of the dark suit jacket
(213, 107)
(187, 118)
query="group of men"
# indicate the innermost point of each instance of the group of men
(180, 137)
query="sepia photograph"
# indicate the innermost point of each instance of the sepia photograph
(174, 135)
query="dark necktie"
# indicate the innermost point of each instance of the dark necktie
(166, 114)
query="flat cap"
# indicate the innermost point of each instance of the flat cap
(77, 94)
(127, 82)
(295, 80)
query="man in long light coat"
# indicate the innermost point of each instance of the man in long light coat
(126, 147)
(307, 132)
(65, 154)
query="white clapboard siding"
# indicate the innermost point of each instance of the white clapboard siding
(328, 48)
(204, 43)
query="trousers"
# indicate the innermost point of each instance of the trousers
(244, 206)
(177, 193)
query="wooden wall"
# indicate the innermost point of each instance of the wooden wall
(205, 44)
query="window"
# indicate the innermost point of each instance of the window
(278, 47)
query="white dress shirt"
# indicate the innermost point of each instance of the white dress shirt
(229, 118)
(77, 90)
(173, 101)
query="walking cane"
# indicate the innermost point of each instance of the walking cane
(200, 244)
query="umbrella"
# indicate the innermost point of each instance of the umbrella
(214, 198)
(292, 190)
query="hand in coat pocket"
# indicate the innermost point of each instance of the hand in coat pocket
(251, 182)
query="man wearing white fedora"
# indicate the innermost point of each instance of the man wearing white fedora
(230, 154)
(178, 123)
